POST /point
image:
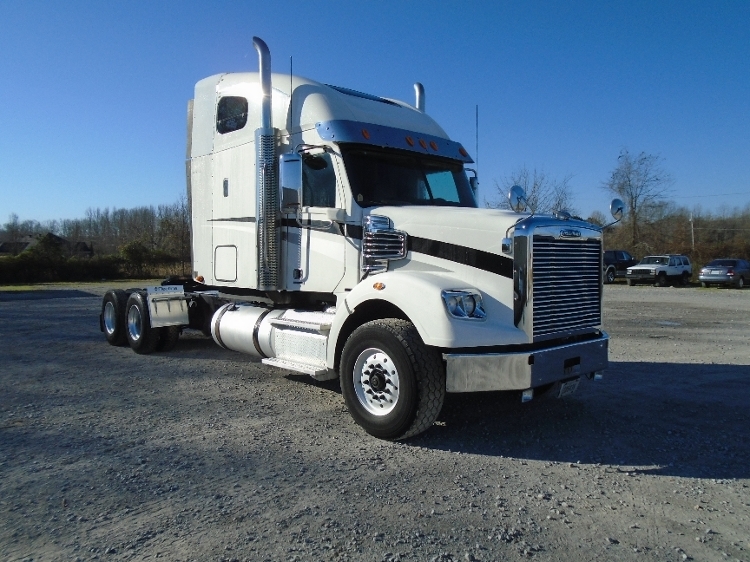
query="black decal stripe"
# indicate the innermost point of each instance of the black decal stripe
(486, 261)
(237, 219)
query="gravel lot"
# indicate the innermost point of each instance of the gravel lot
(205, 454)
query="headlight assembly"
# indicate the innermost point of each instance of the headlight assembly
(462, 303)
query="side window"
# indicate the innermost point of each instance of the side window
(318, 181)
(673, 262)
(685, 260)
(231, 114)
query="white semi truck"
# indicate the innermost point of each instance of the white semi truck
(337, 234)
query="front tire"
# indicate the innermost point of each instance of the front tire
(392, 383)
(141, 336)
(662, 280)
(741, 283)
(610, 275)
(631, 282)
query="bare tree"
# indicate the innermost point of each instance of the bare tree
(642, 184)
(543, 192)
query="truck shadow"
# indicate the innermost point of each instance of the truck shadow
(8, 296)
(653, 418)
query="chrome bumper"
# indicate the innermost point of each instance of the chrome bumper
(519, 371)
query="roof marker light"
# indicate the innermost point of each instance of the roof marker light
(410, 141)
(423, 144)
(463, 152)
(433, 144)
(366, 134)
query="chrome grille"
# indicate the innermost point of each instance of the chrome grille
(380, 243)
(566, 285)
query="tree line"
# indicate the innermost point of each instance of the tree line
(138, 242)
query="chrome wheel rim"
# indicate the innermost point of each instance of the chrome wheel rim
(376, 381)
(134, 323)
(110, 318)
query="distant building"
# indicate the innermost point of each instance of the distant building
(72, 249)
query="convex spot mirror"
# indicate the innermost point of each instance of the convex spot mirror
(517, 198)
(617, 208)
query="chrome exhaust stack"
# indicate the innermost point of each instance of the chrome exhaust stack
(419, 93)
(266, 180)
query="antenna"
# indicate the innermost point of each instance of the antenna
(476, 128)
(291, 99)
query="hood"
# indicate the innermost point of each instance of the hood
(480, 229)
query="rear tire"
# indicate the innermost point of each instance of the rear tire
(392, 383)
(685, 279)
(741, 283)
(113, 317)
(168, 338)
(141, 336)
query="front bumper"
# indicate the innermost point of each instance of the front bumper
(523, 370)
(641, 276)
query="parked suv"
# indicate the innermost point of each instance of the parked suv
(616, 263)
(661, 270)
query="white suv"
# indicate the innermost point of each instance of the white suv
(661, 270)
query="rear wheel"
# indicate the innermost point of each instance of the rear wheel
(113, 316)
(685, 279)
(392, 383)
(141, 336)
(741, 283)
(168, 338)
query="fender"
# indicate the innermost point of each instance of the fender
(436, 327)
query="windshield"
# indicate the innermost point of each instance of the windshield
(395, 177)
(655, 260)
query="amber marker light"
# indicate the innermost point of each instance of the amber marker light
(378, 286)
(423, 144)
(463, 152)
(410, 141)
(200, 279)
(433, 145)
(366, 134)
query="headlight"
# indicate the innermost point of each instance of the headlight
(464, 303)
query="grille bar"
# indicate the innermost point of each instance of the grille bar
(566, 285)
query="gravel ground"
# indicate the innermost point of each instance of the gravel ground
(205, 454)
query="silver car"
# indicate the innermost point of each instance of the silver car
(725, 271)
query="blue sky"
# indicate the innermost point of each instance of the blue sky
(93, 94)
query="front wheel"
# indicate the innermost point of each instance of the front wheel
(662, 280)
(392, 383)
(610, 275)
(630, 282)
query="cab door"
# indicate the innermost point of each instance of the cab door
(313, 241)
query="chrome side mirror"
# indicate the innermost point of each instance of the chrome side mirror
(473, 180)
(517, 199)
(290, 180)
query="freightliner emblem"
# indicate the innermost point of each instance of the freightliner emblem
(570, 233)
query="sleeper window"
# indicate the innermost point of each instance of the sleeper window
(231, 114)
